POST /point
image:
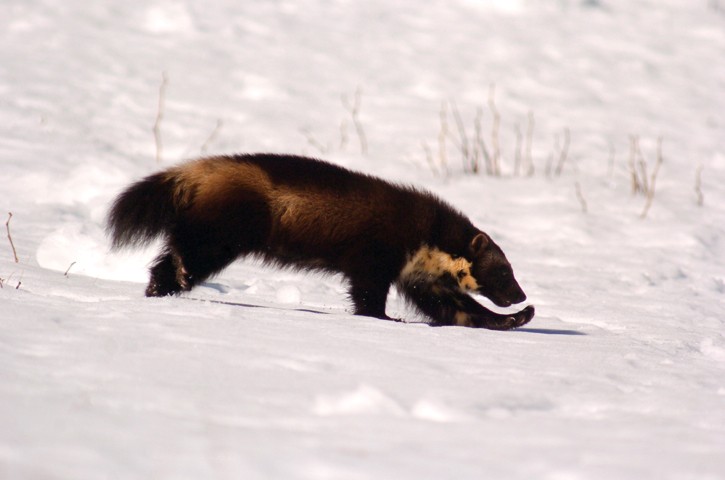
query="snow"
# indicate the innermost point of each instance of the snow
(265, 374)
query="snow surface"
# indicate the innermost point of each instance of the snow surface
(265, 374)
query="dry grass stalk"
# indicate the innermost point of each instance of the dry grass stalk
(442, 136)
(3, 281)
(354, 109)
(653, 179)
(212, 136)
(642, 164)
(463, 144)
(160, 116)
(580, 197)
(313, 141)
(344, 137)
(68, 269)
(698, 186)
(495, 144)
(429, 159)
(518, 153)
(564, 153)
(480, 142)
(10, 237)
(634, 153)
(550, 158)
(529, 141)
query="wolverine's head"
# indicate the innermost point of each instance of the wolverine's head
(493, 272)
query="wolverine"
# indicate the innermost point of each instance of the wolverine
(304, 213)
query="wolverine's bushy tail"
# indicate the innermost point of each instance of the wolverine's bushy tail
(145, 210)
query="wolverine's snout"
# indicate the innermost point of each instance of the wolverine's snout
(520, 297)
(507, 299)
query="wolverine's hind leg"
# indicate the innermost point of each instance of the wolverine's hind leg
(180, 269)
(219, 226)
(203, 257)
(168, 275)
(182, 266)
(207, 242)
(193, 254)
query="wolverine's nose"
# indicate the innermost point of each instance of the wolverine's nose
(520, 297)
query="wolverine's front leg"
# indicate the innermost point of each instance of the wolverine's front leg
(369, 298)
(370, 281)
(451, 307)
(474, 314)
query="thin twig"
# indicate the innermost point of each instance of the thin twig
(160, 116)
(517, 158)
(580, 197)
(550, 159)
(7, 280)
(449, 132)
(313, 141)
(429, 158)
(354, 109)
(495, 167)
(698, 186)
(68, 269)
(564, 154)
(212, 136)
(529, 141)
(442, 135)
(344, 137)
(10, 238)
(480, 142)
(642, 163)
(633, 149)
(465, 150)
(653, 179)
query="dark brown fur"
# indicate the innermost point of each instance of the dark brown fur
(310, 214)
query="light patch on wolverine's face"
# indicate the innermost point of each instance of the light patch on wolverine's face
(432, 264)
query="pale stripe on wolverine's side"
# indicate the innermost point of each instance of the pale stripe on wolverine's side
(309, 214)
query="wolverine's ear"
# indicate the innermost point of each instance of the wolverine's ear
(479, 243)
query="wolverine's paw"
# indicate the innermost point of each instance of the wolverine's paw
(518, 319)
(524, 316)
(504, 322)
(156, 289)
